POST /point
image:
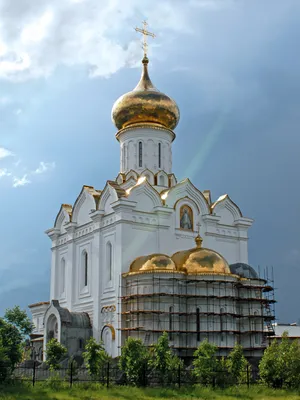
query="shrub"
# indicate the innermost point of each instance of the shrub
(134, 360)
(55, 353)
(95, 357)
(164, 361)
(237, 365)
(206, 363)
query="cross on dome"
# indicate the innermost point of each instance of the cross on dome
(145, 33)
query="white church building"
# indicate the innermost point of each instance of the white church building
(148, 254)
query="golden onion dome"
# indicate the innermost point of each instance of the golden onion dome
(145, 104)
(152, 262)
(201, 260)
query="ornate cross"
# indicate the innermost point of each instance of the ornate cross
(145, 33)
(198, 225)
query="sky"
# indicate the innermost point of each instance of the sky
(233, 67)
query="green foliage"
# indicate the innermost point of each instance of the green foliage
(205, 363)
(237, 366)
(5, 365)
(280, 364)
(95, 356)
(11, 341)
(55, 353)
(164, 361)
(19, 319)
(134, 360)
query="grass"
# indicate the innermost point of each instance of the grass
(95, 392)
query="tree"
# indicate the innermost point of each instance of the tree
(55, 353)
(134, 360)
(11, 340)
(237, 365)
(95, 356)
(5, 364)
(280, 364)
(206, 363)
(164, 361)
(19, 319)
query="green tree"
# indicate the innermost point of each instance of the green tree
(95, 356)
(11, 340)
(280, 364)
(134, 360)
(205, 363)
(55, 353)
(5, 364)
(237, 365)
(20, 320)
(164, 361)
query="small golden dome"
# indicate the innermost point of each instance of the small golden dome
(152, 262)
(201, 260)
(145, 104)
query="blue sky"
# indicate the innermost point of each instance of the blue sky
(233, 67)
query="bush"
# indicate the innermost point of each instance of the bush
(206, 363)
(134, 360)
(55, 353)
(237, 366)
(164, 361)
(95, 357)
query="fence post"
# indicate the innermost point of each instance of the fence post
(248, 377)
(179, 376)
(107, 375)
(33, 373)
(71, 373)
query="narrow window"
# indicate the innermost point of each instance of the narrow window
(80, 344)
(159, 155)
(63, 276)
(221, 319)
(85, 265)
(140, 154)
(170, 323)
(109, 260)
(198, 324)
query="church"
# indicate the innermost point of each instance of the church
(148, 254)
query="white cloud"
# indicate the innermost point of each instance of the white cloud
(97, 34)
(5, 153)
(4, 172)
(43, 167)
(5, 101)
(20, 181)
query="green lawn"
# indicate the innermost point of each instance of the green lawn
(39, 392)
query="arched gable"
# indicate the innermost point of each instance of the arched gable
(63, 217)
(162, 179)
(120, 178)
(186, 189)
(111, 193)
(131, 174)
(226, 209)
(149, 175)
(145, 196)
(129, 183)
(85, 202)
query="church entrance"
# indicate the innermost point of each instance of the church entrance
(52, 328)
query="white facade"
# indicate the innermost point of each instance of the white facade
(138, 213)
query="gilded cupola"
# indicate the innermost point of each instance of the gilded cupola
(201, 260)
(145, 105)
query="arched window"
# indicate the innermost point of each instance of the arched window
(171, 323)
(109, 260)
(85, 267)
(140, 154)
(159, 155)
(63, 276)
(198, 323)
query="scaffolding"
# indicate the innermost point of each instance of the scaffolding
(224, 309)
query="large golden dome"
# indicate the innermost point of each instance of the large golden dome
(152, 262)
(145, 104)
(201, 260)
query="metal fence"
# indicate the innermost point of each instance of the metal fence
(113, 375)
